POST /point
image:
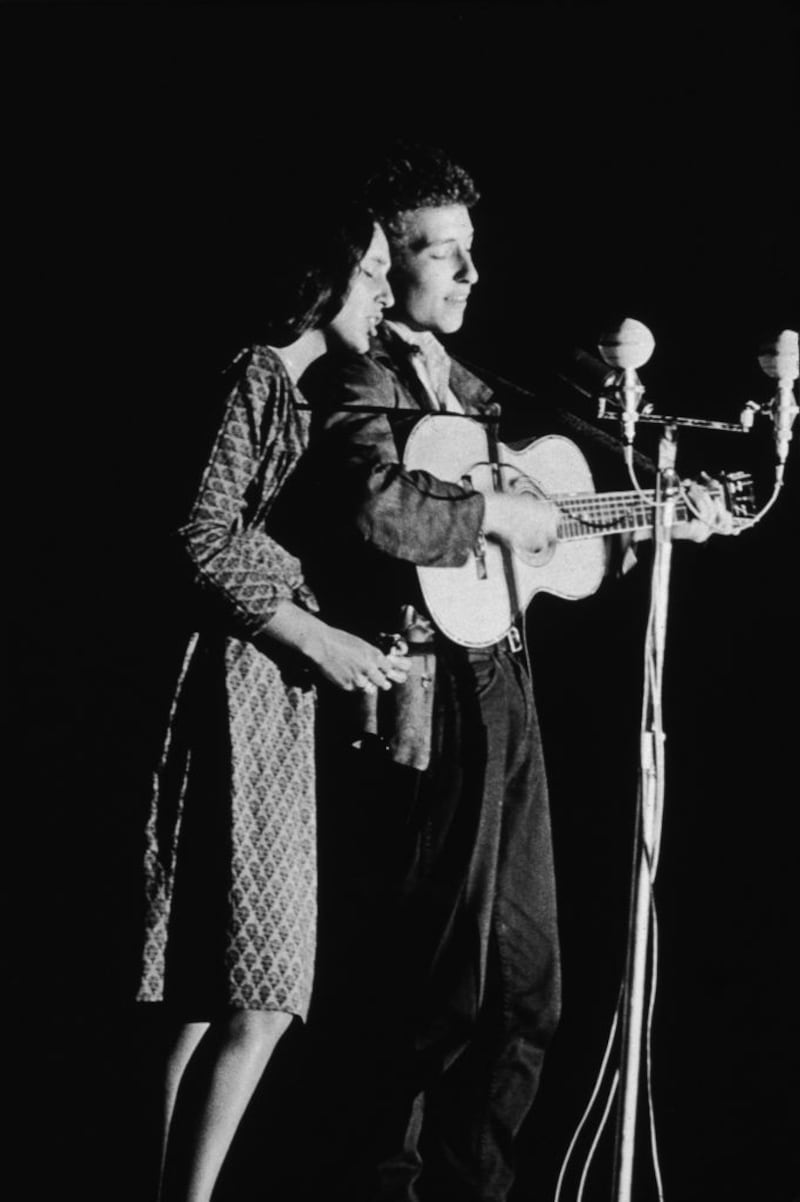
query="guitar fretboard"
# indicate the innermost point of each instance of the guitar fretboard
(590, 514)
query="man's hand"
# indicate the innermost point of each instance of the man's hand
(711, 514)
(528, 525)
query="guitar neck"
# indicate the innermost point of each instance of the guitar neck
(593, 514)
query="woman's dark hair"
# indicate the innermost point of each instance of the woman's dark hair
(311, 270)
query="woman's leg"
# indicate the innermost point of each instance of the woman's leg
(181, 1052)
(225, 1070)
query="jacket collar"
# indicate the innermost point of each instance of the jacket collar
(390, 351)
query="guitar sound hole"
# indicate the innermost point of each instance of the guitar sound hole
(536, 559)
(520, 483)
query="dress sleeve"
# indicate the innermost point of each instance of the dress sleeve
(409, 515)
(225, 538)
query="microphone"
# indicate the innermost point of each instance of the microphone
(585, 374)
(626, 347)
(779, 359)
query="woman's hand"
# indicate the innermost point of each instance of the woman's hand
(351, 663)
(342, 658)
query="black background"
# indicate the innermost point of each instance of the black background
(632, 161)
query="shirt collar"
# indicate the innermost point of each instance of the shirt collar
(468, 387)
(423, 340)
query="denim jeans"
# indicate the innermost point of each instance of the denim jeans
(454, 933)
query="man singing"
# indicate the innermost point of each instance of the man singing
(440, 837)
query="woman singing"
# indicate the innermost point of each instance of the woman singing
(231, 847)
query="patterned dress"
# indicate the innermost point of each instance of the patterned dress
(230, 859)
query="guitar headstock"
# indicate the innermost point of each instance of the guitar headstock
(738, 493)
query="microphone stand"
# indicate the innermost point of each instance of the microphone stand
(649, 815)
(624, 348)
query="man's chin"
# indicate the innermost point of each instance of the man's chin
(453, 322)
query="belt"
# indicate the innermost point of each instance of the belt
(511, 643)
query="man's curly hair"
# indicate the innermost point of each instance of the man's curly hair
(415, 176)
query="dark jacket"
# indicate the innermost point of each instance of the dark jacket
(360, 520)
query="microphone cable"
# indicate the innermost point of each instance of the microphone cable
(603, 1087)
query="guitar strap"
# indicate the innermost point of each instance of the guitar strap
(493, 446)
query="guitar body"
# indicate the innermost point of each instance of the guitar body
(477, 604)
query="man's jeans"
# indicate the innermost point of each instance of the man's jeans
(459, 981)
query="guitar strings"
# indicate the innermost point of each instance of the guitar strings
(588, 514)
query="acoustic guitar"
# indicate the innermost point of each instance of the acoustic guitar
(477, 604)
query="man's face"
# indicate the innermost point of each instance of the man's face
(433, 271)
